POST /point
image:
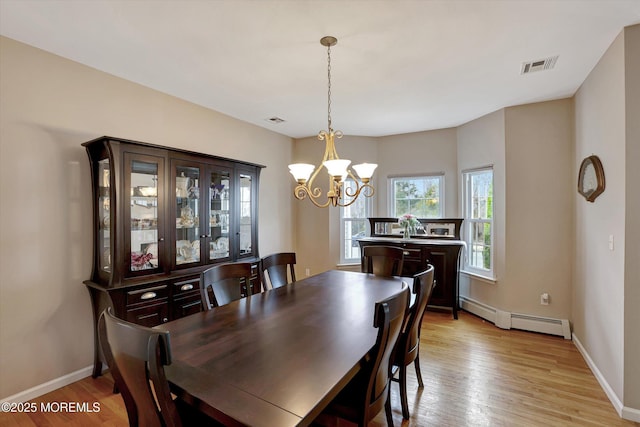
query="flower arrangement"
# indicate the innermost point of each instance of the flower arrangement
(140, 261)
(409, 223)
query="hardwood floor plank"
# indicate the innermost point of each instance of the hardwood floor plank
(474, 373)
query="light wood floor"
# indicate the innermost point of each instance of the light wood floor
(475, 375)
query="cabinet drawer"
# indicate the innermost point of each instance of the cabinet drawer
(412, 254)
(186, 298)
(149, 315)
(185, 287)
(186, 305)
(148, 296)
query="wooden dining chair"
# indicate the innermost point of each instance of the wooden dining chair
(382, 260)
(221, 284)
(408, 347)
(136, 356)
(368, 392)
(276, 266)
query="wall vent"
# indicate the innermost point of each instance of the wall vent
(539, 65)
(275, 120)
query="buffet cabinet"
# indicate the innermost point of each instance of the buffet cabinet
(160, 217)
(439, 244)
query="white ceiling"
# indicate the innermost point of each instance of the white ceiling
(399, 66)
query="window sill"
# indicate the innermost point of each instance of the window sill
(480, 277)
(349, 266)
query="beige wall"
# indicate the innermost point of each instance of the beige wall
(49, 106)
(540, 187)
(415, 154)
(481, 143)
(598, 315)
(531, 150)
(607, 282)
(632, 219)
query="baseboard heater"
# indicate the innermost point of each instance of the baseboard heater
(525, 322)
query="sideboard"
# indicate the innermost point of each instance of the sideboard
(438, 244)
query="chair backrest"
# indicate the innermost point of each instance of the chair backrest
(382, 260)
(388, 318)
(276, 267)
(409, 340)
(225, 282)
(136, 354)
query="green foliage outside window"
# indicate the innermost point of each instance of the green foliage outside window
(486, 253)
(417, 196)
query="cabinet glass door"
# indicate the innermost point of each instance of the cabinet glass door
(219, 214)
(187, 212)
(143, 218)
(104, 216)
(246, 214)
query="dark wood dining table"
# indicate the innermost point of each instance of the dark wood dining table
(279, 357)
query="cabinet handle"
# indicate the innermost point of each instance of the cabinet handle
(165, 320)
(186, 287)
(204, 236)
(148, 295)
(435, 283)
(161, 239)
(405, 252)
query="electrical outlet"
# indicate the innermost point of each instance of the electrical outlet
(544, 299)
(307, 272)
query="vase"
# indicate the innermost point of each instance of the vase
(407, 232)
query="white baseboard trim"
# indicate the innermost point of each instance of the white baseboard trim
(623, 411)
(507, 320)
(49, 386)
(630, 414)
(479, 309)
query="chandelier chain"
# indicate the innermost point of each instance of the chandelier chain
(329, 88)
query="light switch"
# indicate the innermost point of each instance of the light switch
(610, 242)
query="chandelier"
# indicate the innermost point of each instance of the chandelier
(337, 168)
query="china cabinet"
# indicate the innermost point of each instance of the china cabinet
(161, 217)
(437, 243)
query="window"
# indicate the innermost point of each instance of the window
(478, 220)
(353, 225)
(421, 196)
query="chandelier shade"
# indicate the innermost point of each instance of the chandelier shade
(301, 171)
(337, 168)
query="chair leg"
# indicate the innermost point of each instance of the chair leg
(403, 392)
(416, 363)
(387, 410)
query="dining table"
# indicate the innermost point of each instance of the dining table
(277, 358)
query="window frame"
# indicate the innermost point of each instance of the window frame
(368, 206)
(467, 234)
(391, 183)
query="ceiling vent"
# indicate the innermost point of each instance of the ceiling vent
(539, 65)
(275, 120)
